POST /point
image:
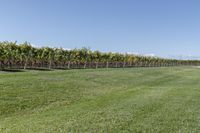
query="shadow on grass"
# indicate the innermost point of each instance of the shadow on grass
(23, 70)
(12, 70)
(37, 69)
(40, 69)
(62, 68)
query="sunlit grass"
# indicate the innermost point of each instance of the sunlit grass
(102, 100)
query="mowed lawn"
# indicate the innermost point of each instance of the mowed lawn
(101, 100)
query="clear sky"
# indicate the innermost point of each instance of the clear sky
(162, 27)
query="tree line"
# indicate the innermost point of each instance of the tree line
(25, 56)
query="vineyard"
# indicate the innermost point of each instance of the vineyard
(161, 98)
(25, 56)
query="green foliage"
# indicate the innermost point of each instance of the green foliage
(24, 55)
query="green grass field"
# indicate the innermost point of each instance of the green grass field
(102, 100)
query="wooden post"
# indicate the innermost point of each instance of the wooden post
(85, 65)
(124, 64)
(68, 65)
(50, 64)
(97, 65)
(107, 64)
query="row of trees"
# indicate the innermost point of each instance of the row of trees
(13, 55)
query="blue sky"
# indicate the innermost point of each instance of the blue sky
(167, 28)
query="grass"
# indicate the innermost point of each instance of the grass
(102, 100)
